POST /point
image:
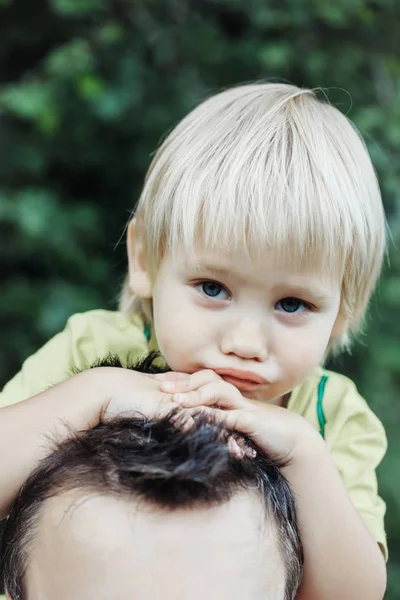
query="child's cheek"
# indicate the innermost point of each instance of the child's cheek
(308, 354)
(177, 356)
(177, 343)
(311, 357)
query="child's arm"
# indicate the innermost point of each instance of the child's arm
(28, 429)
(341, 559)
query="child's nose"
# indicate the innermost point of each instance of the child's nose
(245, 338)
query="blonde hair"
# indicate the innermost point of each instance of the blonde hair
(267, 166)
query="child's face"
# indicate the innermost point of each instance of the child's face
(262, 324)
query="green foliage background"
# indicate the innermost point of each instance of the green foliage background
(87, 90)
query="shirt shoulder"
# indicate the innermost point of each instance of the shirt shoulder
(334, 398)
(95, 334)
(87, 338)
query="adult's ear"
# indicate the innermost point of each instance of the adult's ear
(139, 279)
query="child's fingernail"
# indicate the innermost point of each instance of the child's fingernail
(180, 397)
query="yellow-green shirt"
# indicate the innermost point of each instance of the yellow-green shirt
(353, 434)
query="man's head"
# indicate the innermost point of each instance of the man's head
(141, 509)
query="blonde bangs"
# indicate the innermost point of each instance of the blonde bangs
(268, 167)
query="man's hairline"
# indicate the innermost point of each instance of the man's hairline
(82, 493)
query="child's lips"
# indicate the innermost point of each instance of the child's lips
(244, 380)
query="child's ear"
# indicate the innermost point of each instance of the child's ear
(340, 326)
(139, 280)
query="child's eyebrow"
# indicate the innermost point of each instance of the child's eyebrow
(317, 293)
(200, 267)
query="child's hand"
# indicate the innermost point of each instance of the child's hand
(132, 391)
(275, 430)
(126, 392)
(173, 382)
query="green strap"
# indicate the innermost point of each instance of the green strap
(320, 410)
(147, 332)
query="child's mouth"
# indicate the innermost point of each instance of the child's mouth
(243, 380)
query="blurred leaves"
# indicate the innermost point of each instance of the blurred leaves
(77, 8)
(88, 89)
(27, 100)
(70, 60)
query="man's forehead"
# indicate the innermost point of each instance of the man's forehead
(113, 542)
(73, 514)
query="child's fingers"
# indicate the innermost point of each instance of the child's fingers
(234, 446)
(219, 393)
(241, 421)
(181, 419)
(235, 420)
(171, 376)
(190, 382)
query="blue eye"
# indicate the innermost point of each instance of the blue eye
(291, 305)
(212, 289)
